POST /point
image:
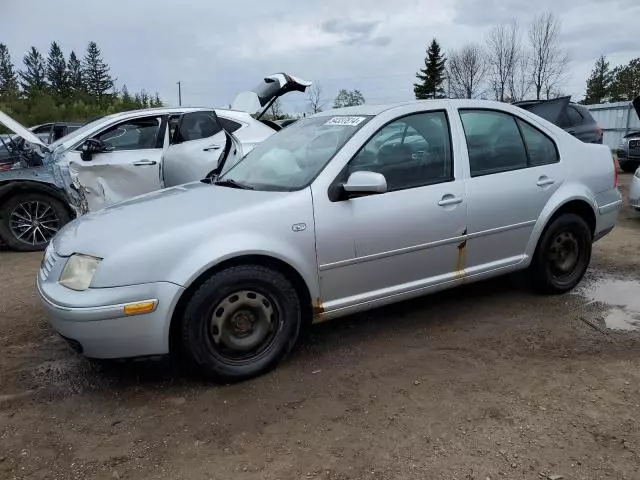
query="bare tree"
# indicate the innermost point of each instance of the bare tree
(466, 71)
(520, 83)
(548, 60)
(503, 53)
(314, 98)
(275, 111)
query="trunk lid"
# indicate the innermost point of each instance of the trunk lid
(273, 86)
(550, 110)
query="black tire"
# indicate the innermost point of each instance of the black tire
(213, 357)
(628, 167)
(55, 217)
(553, 271)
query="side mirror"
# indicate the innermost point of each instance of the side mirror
(92, 146)
(365, 183)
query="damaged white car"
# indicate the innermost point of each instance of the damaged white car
(123, 155)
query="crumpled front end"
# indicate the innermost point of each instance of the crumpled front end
(62, 176)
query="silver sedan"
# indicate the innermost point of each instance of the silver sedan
(341, 212)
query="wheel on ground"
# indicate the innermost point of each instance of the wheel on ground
(628, 167)
(28, 221)
(241, 322)
(562, 256)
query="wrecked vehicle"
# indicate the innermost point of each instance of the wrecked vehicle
(340, 212)
(123, 155)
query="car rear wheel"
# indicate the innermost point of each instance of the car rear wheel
(562, 256)
(28, 221)
(241, 322)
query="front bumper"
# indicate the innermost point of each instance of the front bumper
(93, 321)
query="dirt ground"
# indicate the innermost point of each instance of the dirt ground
(485, 381)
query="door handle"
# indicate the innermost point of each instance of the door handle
(449, 200)
(144, 163)
(545, 181)
(211, 147)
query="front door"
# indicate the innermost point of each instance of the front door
(130, 166)
(401, 241)
(514, 171)
(197, 143)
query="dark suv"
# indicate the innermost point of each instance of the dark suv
(569, 116)
(629, 148)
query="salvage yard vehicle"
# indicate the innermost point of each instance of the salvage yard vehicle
(340, 212)
(571, 117)
(634, 191)
(629, 149)
(119, 156)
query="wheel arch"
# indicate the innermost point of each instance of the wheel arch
(580, 205)
(11, 187)
(310, 307)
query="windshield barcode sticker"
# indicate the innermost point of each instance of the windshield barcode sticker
(346, 121)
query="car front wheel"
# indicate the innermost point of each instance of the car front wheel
(562, 256)
(28, 221)
(241, 322)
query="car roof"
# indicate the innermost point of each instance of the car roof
(367, 109)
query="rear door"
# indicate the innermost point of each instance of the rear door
(514, 170)
(197, 144)
(129, 167)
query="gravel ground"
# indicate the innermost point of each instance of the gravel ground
(484, 381)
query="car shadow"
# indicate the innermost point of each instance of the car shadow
(397, 319)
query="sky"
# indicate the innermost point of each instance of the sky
(217, 49)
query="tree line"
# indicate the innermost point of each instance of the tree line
(63, 89)
(511, 64)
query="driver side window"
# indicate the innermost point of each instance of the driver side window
(410, 152)
(136, 134)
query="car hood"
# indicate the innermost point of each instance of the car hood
(155, 214)
(20, 130)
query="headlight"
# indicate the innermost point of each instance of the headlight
(78, 271)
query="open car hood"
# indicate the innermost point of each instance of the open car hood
(272, 87)
(636, 105)
(20, 130)
(550, 110)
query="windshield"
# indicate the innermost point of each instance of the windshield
(82, 130)
(292, 158)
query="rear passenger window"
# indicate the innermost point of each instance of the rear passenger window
(541, 149)
(229, 125)
(410, 152)
(494, 142)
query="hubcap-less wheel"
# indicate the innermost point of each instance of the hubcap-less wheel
(33, 222)
(243, 325)
(564, 254)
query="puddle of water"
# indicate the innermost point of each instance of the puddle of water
(623, 296)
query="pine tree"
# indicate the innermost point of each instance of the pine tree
(8, 78)
(74, 74)
(432, 75)
(347, 98)
(626, 83)
(96, 73)
(156, 102)
(599, 82)
(33, 77)
(57, 71)
(126, 99)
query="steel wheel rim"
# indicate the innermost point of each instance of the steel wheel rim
(34, 222)
(243, 326)
(564, 254)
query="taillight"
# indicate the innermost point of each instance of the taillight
(600, 134)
